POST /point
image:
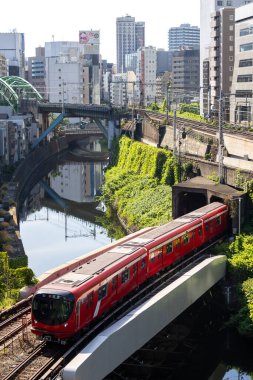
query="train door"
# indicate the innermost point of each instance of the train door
(78, 315)
(142, 270)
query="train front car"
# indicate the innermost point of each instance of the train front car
(53, 314)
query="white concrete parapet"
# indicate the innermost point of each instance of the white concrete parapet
(116, 343)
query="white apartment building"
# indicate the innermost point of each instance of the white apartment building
(72, 72)
(146, 74)
(207, 7)
(241, 108)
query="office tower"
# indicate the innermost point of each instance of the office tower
(206, 8)
(12, 47)
(185, 35)
(185, 74)
(130, 36)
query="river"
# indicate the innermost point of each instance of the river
(53, 235)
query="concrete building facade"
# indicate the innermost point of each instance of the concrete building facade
(207, 7)
(242, 84)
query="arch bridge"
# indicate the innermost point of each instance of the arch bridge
(13, 88)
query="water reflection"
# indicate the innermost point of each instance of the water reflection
(58, 220)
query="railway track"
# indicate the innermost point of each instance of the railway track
(200, 126)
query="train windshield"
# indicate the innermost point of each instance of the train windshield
(52, 307)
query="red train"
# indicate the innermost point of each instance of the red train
(68, 304)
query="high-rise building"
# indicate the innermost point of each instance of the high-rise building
(207, 7)
(183, 36)
(130, 36)
(12, 47)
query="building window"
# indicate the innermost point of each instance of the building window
(246, 47)
(246, 62)
(231, 58)
(246, 31)
(231, 17)
(219, 3)
(243, 94)
(244, 78)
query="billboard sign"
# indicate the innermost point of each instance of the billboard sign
(89, 37)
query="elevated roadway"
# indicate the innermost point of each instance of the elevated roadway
(115, 344)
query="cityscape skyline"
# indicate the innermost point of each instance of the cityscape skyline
(57, 22)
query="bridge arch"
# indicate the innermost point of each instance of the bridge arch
(12, 88)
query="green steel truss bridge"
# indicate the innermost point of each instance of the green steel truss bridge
(13, 88)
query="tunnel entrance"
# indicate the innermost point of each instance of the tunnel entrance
(189, 201)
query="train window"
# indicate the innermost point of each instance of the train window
(135, 268)
(200, 231)
(218, 221)
(186, 238)
(152, 257)
(169, 248)
(206, 227)
(114, 283)
(193, 235)
(89, 300)
(143, 263)
(102, 292)
(177, 242)
(125, 276)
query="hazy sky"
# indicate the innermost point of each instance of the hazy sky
(57, 20)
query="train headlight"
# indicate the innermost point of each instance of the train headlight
(65, 324)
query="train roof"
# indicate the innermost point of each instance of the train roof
(94, 267)
(121, 252)
(189, 218)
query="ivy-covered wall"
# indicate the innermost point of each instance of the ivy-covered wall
(138, 185)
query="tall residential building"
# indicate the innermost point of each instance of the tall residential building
(130, 36)
(207, 7)
(221, 60)
(12, 47)
(146, 75)
(37, 71)
(241, 107)
(183, 36)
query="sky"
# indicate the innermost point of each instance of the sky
(55, 20)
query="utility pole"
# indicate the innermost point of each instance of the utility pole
(221, 141)
(174, 133)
